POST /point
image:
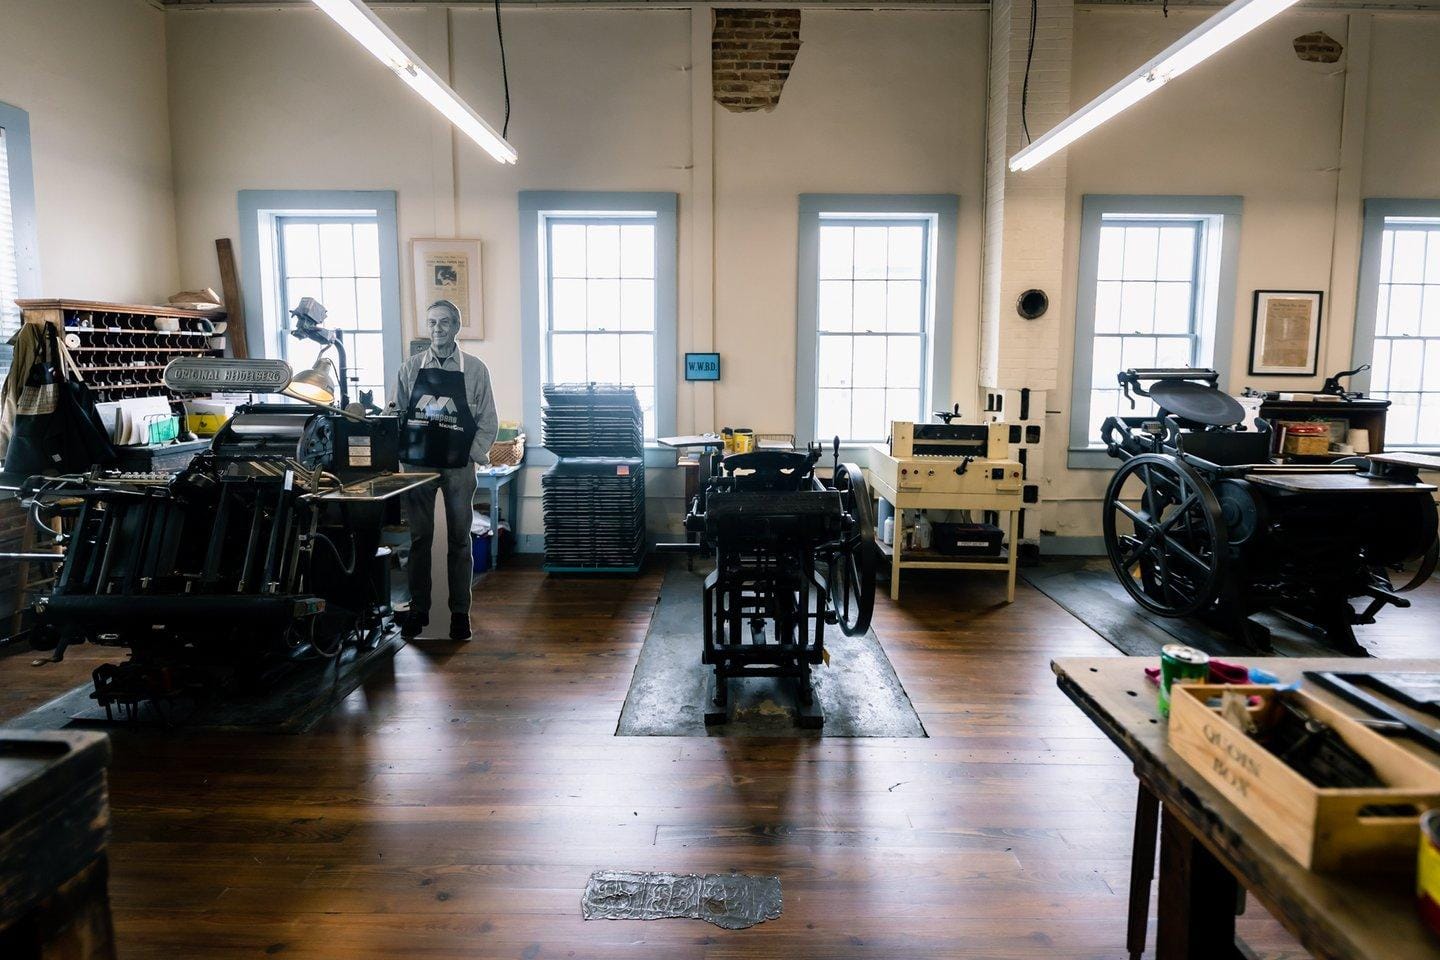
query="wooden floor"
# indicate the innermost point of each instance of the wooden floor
(454, 808)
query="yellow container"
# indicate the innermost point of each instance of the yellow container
(744, 440)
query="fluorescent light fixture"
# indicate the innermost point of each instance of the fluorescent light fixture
(361, 23)
(1215, 34)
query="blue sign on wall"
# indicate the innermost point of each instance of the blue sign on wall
(702, 366)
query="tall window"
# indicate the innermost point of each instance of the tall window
(336, 260)
(876, 289)
(600, 303)
(1156, 288)
(340, 247)
(872, 317)
(1146, 307)
(1406, 357)
(19, 266)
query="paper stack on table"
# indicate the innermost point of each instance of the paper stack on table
(129, 420)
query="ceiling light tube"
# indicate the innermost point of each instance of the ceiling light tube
(358, 20)
(1221, 30)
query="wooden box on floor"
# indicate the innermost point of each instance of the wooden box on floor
(54, 822)
(1322, 828)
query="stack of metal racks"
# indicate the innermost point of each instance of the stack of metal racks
(594, 495)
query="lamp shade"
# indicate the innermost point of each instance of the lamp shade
(316, 385)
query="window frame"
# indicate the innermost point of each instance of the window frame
(942, 211)
(1377, 211)
(1213, 298)
(536, 207)
(260, 211)
(20, 163)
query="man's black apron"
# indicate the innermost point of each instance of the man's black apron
(439, 427)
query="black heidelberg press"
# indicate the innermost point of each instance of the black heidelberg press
(1199, 521)
(793, 552)
(262, 553)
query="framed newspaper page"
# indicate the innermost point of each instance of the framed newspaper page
(1285, 333)
(447, 270)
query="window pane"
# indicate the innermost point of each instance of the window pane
(1112, 253)
(295, 290)
(567, 305)
(602, 304)
(637, 304)
(1103, 403)
(901, 405)
(836, 252)
(367, 303)
(367, 250)
(902, 362)
(1137, 352)
(1404, 310)
(646, 396)
(872, 246)
(1107, 306)
(1432, 256)
(302, 249)
(1177, 253)
(602, 250)
(339, 300)
(337, 250)
(1428, 428)
(637, 250)
(834, 362)
(1137, 307)
(567, 250)
(1105, 363)
(1172, 308)
(1380, 365)
(1387, 254)
(868, 415)
(1382, 311)
(367, 357)
(602, 357)
(1409, 257)
(567, 358)
(833, 414)
(637, 360)
(1430, 315)
(1405, 366)
(1141, 249)
(869, 363)
(834, 305)
(907, 252)
(870, 305)
(903, 311)
(1432, 365)
(1401, 419)
(1174, 352)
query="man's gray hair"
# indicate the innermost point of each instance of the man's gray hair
(449, 306)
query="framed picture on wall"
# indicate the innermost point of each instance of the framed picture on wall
(447, 270)
(1285, 333)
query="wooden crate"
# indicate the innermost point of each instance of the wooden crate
(1321, 827)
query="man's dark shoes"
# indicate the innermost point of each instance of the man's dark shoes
(460, 626)
(411, 624)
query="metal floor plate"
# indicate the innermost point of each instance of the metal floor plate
(733, 901)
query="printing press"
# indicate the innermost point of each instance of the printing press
(793, 553)
(262, 553)
(1199, 522)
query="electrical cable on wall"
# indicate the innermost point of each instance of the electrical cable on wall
(504, 72)
(1025, 87)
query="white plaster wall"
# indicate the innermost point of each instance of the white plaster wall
(876, 103)
(91, 74)
(1256, 122)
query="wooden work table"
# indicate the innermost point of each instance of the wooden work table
(1207, 845)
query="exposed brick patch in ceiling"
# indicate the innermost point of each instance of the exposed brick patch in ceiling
(752, 52)
(1318, 47)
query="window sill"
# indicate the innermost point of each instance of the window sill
(1090, 458)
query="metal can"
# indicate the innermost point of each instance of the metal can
(1427, 874)
(1179, 663)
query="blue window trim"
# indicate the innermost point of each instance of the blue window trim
(258, 210)
(535, 205)
(16, 124)
(1094, 207)
(1376, 211)
(944, 208)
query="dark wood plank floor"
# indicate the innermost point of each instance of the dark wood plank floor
(455, 806)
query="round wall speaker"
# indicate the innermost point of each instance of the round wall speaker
(1032, 304)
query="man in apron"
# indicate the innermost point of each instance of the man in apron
(448, 423)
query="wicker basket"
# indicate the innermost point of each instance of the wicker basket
(507, 453)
